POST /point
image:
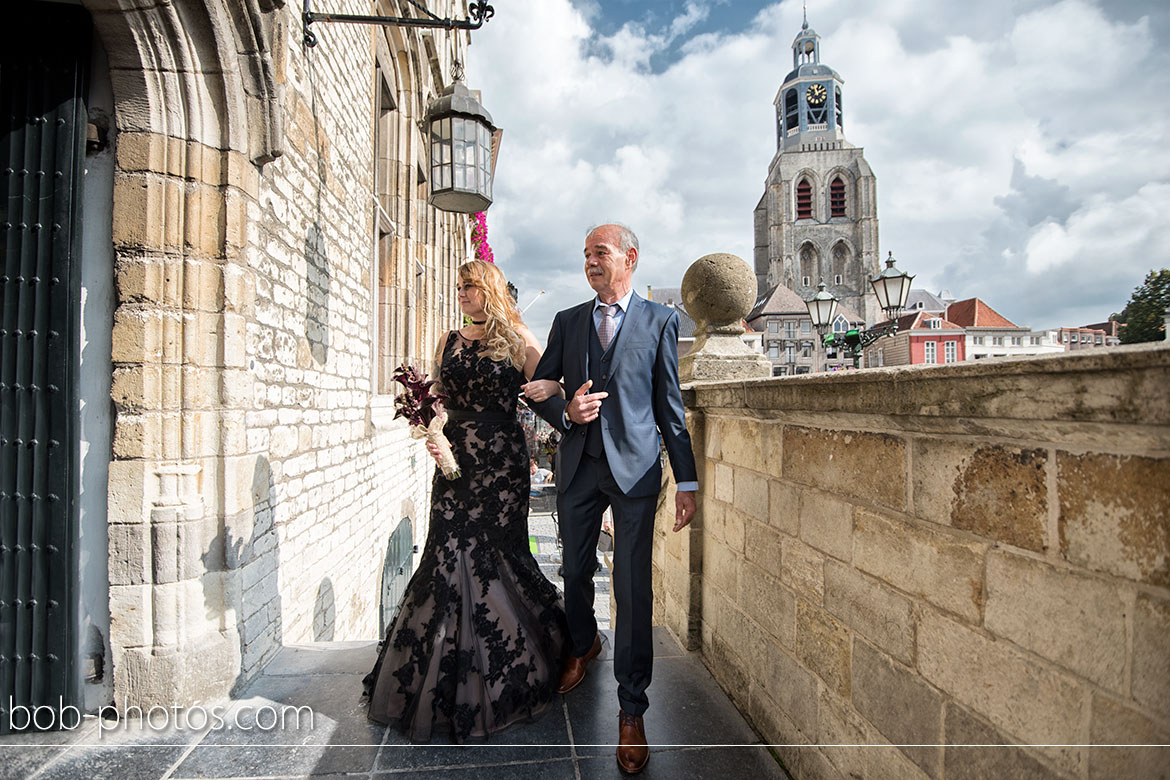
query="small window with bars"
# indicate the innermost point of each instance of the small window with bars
(804, 200)
(837, 198)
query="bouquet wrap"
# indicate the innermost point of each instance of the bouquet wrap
(434, 433)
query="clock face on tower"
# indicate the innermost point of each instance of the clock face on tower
(816, 95)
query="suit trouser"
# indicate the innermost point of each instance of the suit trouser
(580, 506)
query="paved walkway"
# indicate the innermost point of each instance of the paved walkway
(694, 730)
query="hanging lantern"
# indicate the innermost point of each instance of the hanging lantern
(460, 132)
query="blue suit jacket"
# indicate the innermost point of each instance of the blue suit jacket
(644, 397)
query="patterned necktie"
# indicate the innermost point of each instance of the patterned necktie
(605, 330)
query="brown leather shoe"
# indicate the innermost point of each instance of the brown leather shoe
(575, 667)
(632, 752)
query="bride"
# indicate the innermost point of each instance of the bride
(480, 635)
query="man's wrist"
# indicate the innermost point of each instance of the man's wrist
(687, 487)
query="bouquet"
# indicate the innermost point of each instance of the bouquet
(423, 410)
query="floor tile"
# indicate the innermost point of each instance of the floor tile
(561, 769)
(721, 763)
(324, 658)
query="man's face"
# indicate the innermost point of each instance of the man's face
(608, 269)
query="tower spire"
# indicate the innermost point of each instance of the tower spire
(805, 25)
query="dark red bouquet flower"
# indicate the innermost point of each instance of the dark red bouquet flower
(422, 406)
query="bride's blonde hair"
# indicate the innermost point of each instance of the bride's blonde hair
(502, 340)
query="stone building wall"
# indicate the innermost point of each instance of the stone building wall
(937, 556)
(256, 472)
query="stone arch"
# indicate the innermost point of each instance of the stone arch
(840, 260)
(808, 258)
(813, 180)
(834, 176)
(197, 90)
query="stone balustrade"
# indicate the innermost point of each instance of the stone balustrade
(935, 557)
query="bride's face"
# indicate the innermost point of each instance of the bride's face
(471, 299)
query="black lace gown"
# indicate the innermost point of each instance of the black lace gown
(480, 634)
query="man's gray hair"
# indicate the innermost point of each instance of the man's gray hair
(626, 238)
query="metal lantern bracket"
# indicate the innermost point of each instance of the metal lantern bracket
(477, 14)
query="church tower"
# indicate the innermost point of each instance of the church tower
(817, 219)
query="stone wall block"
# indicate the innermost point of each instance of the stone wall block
(867, 466)
(769, 603)
(235, 351)
(803, 569)
(1113, 723)
(721, 569)
(724, 483)
(961, 762)
(1113, 514)
(877, 613)
(751, 494)
(773, 447)
(1031, 702)
(762, 545)
(136, 388)
(1151, 654)
(164, 547)
(140, 152)
(138, 279)
(996, 491)
(130, 615)
(1075, 621)
(735, 525)
(795, 689)
(741, 442)
(826, 523)
(839, 724)
(784, 506)
(823, 646)
(137, 336)
(138, 211)
(930, 564)
(898, 704)
(129, 554)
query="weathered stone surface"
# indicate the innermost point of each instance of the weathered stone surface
(1151, 654)
(724, 483)
(721, 569)
(872, 610)
(822, 645)
(1030, 702)
(925, 562)
(740, 441)
(890, 763)
(762, 546)
(803, 569)
(772, 605)
(1114, 723)
(1113, 514)
(994, 490)
(795, 690)
(961, 762)
(869, 466)
(784, 506)
(840, 725)
(719, 289)
(1075, 621)
(751, 494)
(899, 704)
(826, 523)
(773, 446)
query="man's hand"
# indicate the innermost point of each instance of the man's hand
(684, 508)
(584, 406)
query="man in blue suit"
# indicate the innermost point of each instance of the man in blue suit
(620, 352)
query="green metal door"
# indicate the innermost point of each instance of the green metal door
(44, 58)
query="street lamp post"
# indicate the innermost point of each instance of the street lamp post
(891, 287)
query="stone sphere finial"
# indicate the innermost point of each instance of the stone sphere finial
(718, 291)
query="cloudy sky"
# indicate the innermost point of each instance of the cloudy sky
(1022, 147)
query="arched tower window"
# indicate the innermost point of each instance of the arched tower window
(837, 197)
(840, 263)
(808, 265)
(804, 200)
(791, 111)
(837, 104)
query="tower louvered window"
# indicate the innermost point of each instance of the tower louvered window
(837, 103)
(791, 112)
(804, 200)
(837, 198)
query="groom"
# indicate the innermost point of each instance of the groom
(620, 352)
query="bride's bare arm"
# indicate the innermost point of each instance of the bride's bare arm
(541, 389)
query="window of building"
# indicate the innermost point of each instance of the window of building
(881, 358)
(1034, 340)
(789, 354)
(791, 112)
(837, 198)
(789, 329)
(840, 324)
(950, 352)
(977, 341)
(837, 103)
(806, 351)
(773, 326)
(773, 349)
(931, 352)
(806, 327)
(1017, 341)
(934, 323)
(779, 370)
(838, 279)
(804, 200)
(997, 341)
(1099, 341)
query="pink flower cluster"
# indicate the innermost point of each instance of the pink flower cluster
(479, 238)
